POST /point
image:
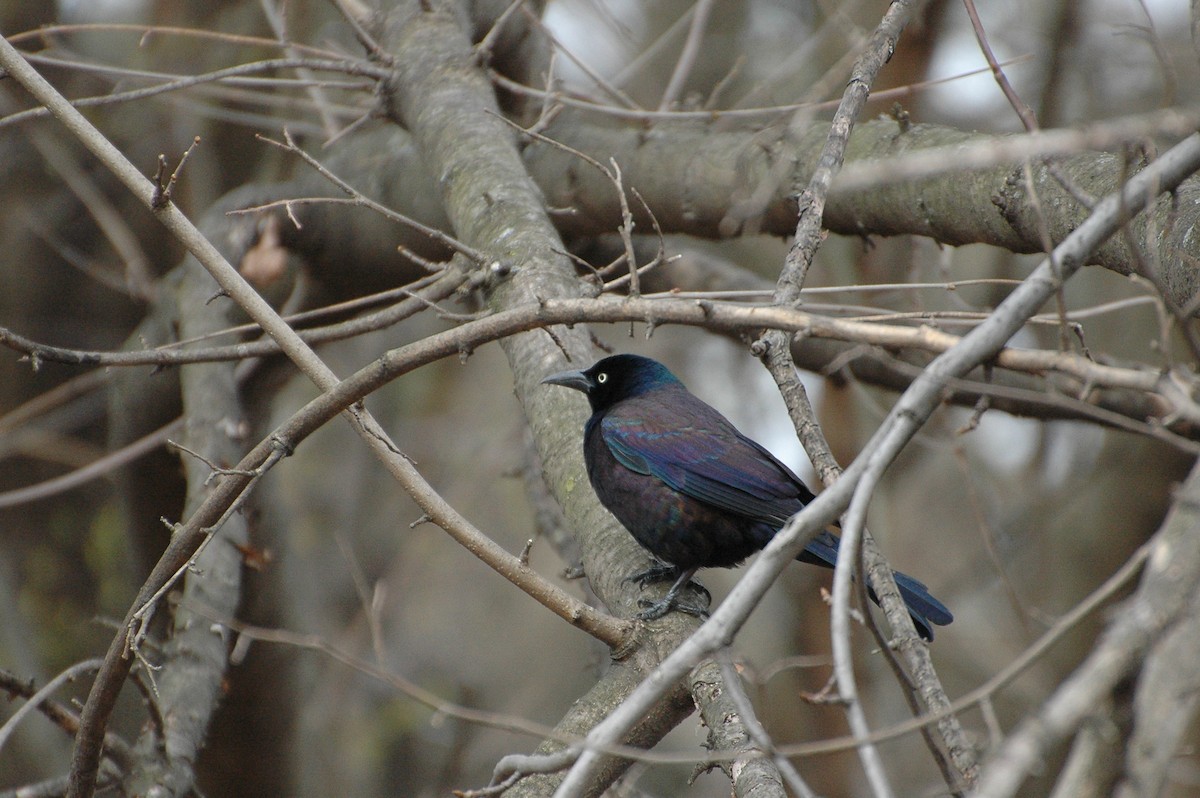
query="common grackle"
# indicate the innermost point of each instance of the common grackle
(689, 487)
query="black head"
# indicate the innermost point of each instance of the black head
(615, 378)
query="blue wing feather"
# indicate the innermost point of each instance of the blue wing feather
(720, 466)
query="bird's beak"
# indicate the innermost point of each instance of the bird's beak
(570, 379)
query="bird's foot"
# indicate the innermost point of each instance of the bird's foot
(657, 609)
(659, 572)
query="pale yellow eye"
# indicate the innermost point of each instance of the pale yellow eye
(601, 378)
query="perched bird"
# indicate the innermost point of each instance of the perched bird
(689, 487)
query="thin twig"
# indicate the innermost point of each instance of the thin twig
(289, 145)
(184, 82)
(773, 111)
(687, 57)
(93, 470)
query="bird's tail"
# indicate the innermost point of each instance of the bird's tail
(926, 611)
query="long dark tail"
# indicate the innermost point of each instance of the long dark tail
(926, 611)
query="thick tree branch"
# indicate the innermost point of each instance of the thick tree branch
(189, 678)
(735, 732)
(1164, 707)
(692, 177)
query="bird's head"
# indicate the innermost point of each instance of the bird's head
(615, 378)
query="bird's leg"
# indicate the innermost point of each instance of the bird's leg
(662, 572)
(659, 572)
(657, 609)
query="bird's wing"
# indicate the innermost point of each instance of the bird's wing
(711, 462)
